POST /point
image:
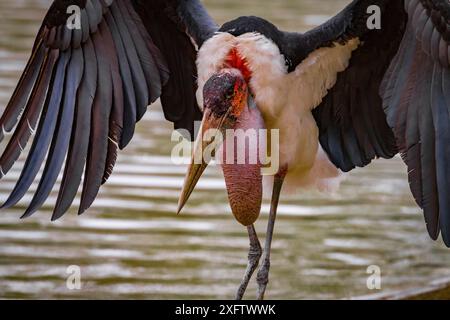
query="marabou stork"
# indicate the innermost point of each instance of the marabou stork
(356, 91)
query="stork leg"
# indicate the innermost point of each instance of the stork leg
(254, 254)
(263, 273)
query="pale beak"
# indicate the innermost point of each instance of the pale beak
(207, 142)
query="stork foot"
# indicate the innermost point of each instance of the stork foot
(254, 255)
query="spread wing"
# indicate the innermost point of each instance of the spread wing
(95, 67)
(394, 96)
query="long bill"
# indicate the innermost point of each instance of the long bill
(209, 139)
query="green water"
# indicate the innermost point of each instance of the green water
(132, 245)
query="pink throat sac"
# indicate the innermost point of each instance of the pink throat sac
(244, 181)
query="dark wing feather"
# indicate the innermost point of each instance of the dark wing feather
(84, 90)
(23, 90)
(101, 112)
(137, 72)
(179, 53)
(43, 137)
(418, 112)
(353, 130)
(28, 120)
(61, 139)
(129, 112)
(402, 69)
(78, 149)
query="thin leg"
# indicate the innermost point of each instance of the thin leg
(254, 255)
(263, 273)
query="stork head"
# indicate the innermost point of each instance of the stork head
(225, 97)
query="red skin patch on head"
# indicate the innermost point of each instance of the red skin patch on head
(239, 98)
(234, 60)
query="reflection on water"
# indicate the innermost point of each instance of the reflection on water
(131, 244)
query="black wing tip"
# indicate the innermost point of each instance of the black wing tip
(82, 210)
(433, 233)
(57, 214)
(445, 234)
(86, 201)
(28, 213)
(6, 205)
(445, 239)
